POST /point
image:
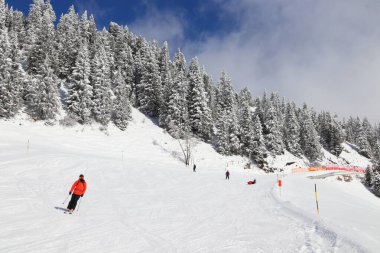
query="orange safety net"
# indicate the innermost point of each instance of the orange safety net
(328, 168)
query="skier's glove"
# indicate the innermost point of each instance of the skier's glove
(69, 193)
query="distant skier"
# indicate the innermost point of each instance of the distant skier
(227, 175)
(194, 167)
(78, 190)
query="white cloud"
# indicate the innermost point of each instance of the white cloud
(161, 26)
(325, 53)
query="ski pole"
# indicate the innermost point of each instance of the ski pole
(65, 199)
(80, 201)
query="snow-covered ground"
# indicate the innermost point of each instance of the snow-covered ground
(141, 198)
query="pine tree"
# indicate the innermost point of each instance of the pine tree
(226, 95)
(16, 25)
(258, 148)
(369, 132)
(309, 138)
(272, 132)
(149, 90)
(67, 39)
(100, 82)
(233, 135)
(123, 59)
(79, 89)
(376, 180)
(43, 36)
(176, 115)
(336, 137)
(199, 112)
(227, 130)
(121, 106)
(362, 142)
(292, 131)
(246, 122)
(42, 93)
(221, 134)
(164, 65)
(210, 90)
(34, 23)
(3, 15)
(10, 73)
(376, 154)
(368, 176)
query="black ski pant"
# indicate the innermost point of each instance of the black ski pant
(73, 201)
(228, 177)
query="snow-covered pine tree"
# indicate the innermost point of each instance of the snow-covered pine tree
(280, 109)
(156, 50)
(336, 137)
(376, 154)
(176, 116)
(121, 114)
(362, 142)
(221, 135)
(377, 130)
(12, 75)
(149, 90)
(210, 90)
(122, 54)
(234, 143)
(227, 131)
(43, 37)
(10, 71)
(369, 132)
(164, 65)
(348, 130)
(67, 39)
(226, 94)
(16, 25)
(42, 93)
(92, 35)
(33, 24)
(368, 176)
(136, 46)
(292, 131)
(376, 180)
(272, 131)
(309, 138)
(246, 122)
(258, 148)
(84, 26)
(79, 101)
(3, 15)
(199, 113)
(101, 82)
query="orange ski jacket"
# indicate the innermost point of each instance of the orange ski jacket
(79, 187)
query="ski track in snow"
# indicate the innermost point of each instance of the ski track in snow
(144, 200)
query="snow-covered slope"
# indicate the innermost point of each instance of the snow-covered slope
(141, 197)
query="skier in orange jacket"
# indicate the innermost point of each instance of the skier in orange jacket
(78, 190)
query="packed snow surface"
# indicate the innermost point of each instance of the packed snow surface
(141, 197)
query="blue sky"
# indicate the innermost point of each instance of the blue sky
(199, 18)
(325, 53)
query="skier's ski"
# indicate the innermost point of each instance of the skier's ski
(61, 208)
